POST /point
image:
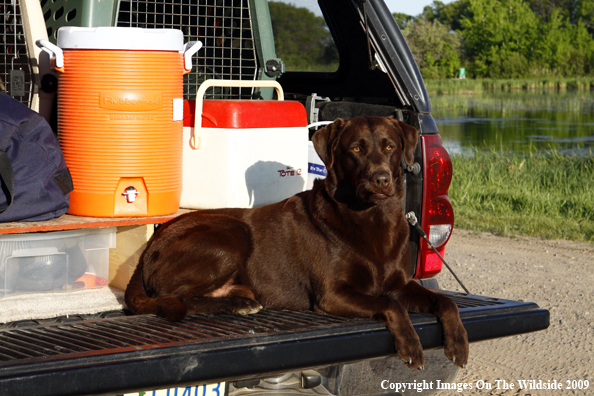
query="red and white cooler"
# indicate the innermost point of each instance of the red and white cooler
(243, 153)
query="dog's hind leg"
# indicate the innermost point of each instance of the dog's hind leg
(230, 288)
(229, 305)
(138, 301)
(230, 298)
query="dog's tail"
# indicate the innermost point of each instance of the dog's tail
(139, 302)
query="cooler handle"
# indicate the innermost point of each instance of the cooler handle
(195, 142)
(54, 52)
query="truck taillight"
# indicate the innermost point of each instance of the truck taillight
(437, 217)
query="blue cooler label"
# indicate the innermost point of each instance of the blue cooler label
(204, 390)
(317, 169)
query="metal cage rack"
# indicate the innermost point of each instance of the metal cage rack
(227, 29)
(15, 71)
(223, 26)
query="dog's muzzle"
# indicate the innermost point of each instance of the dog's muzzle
(376, 188)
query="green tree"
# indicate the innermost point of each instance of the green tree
(499, 37)
(562, 48)
(544, 8)
(582, 53)
(301, 38)
(436, 48)
(447, 14)
(403, 19)
(553, 49)
(585, 13)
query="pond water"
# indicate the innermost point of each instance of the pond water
(518, 121)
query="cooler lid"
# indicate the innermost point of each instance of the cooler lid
(244, 114)
(120, 38)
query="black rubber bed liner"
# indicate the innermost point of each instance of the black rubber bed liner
(101, 355)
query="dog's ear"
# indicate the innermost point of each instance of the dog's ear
(410, 137)
(326, 139)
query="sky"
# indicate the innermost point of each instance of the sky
(414, 7)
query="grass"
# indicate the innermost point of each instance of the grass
(567, 101)
(469, 86)
(454, 86)
(548, 195)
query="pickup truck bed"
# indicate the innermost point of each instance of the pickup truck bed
(113, 352)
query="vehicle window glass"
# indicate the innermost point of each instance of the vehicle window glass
(301, 36)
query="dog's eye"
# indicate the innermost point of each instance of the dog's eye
(356, 149)
(389, 147)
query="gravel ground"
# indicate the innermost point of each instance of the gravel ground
(558, 276)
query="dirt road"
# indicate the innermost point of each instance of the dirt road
(557, 275)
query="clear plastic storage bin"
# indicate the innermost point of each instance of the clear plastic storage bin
(55, 261)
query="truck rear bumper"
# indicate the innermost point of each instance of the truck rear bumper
(124, 353)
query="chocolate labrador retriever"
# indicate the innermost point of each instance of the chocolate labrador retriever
(340, 248)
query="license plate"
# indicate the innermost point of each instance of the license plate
(204, 390)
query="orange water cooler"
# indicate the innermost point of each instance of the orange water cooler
(120, 117)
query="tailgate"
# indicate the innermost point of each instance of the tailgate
(75, 356)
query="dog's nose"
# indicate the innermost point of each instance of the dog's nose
(381, 179)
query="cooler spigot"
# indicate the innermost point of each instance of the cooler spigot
(130, 193)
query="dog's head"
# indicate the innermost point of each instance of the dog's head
(363, 157)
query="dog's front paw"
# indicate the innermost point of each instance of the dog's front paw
(409, 349)
(456, 347)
